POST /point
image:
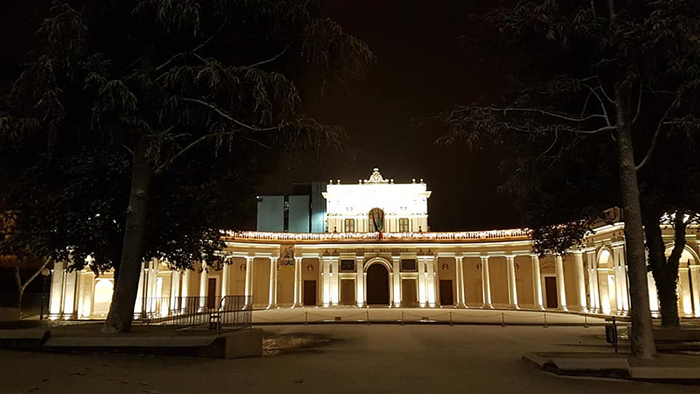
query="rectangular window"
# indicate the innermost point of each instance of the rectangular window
(408, 265)
(349, 225)
(347, 265)
(404, 225)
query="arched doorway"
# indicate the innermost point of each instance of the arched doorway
(606, 282)
(103, 297)
(687, 290)
(377, 285)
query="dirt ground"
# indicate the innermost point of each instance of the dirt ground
(335, 359)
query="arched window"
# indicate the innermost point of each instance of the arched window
(376, 220)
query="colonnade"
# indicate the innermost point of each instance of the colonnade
(73, 291)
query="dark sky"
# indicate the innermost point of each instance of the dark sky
(425, 64)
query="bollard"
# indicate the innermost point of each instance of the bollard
(368, 317)
(585, 321)
(306, 318)
(545, 320)
(402, 318)
(451, 319)
(503, 319)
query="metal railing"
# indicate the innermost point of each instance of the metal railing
(230, 312)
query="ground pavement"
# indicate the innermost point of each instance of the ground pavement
(354, 359)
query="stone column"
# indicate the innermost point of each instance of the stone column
(431, 281)
(621, 277)
(225, 273)
(56, 297)
(152, 296)
(273, 284)
(460, 281)
(580, 279)
(70, 295)
(335, 281)
(86, 283)
(695, 279)
(174, 290)
(594, 298)
(249, 262)
(536, 282)
(297, 282)
(185, 294)
(512, 283)
(326, 281)
(360, 282)
(422, 282)
(203, 282)
(485, 283)
(561, 287)
(397, 280)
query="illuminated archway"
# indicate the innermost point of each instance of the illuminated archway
(377, 283)
(104, 288)
(687, 289)
(606, 281)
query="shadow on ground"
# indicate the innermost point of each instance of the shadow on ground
(275, 344)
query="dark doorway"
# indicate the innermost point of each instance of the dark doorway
(550, 287)
(347, 292)
(377, 285)
(211, 294)
(409, 297)
(310, 292)
(446, 297)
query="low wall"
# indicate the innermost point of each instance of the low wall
(9, 314)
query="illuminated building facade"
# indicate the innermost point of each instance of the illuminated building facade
(377, 251)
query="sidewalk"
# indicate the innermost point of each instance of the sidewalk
(671, 368)
(347, 315)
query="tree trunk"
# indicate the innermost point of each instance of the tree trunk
(23, 286)
(641, 335)
(121, 311)
(668, 302)
(665, 274)
(20, 288)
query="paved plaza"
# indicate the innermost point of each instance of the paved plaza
(377, 358)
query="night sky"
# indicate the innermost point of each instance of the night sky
(427, 60)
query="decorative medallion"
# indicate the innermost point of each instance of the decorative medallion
(445, 267)
(478, 266)
(310, 268)
(242, 267)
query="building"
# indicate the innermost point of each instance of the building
(378, 252)
(301, 212)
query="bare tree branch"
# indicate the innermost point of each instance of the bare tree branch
(182, 151)
(272, 59)
(657, 133)
(192, 52)
(556, 138)
(229, 117)
(639, 104)
(36, 273)
(602, 104)
(547, 113)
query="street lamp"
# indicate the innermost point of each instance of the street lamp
(44, 273)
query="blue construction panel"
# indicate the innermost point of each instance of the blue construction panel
(271, 213)
(318, 208)
(299, 214)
